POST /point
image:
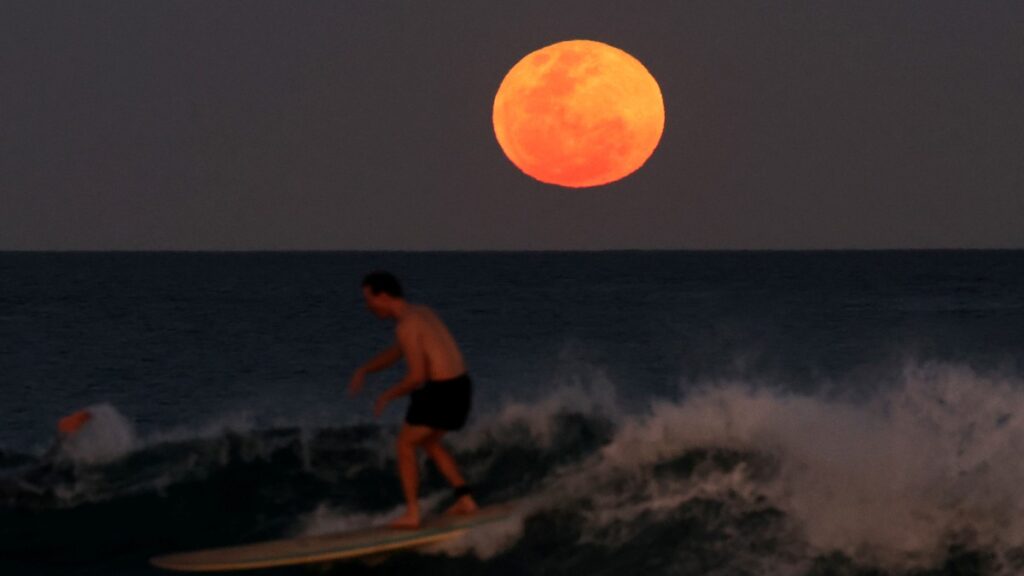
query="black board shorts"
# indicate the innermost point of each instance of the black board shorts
(441, 404)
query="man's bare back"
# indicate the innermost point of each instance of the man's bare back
(441, 355)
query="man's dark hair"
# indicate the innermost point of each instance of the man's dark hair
(381, 281)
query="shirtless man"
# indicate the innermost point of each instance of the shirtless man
(437, 382)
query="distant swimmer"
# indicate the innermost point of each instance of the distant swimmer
(70, 425)
(67, 428)
(436, 380)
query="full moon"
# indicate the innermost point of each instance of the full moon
(578, 114)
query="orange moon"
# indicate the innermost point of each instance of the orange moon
(578, 113)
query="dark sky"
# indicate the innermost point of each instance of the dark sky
(367, 125)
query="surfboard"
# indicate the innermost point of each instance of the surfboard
(328, 547)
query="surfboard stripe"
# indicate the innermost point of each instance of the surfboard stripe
(183, 563)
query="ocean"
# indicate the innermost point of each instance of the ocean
(651, 412)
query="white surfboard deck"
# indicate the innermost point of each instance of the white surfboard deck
(328, 547)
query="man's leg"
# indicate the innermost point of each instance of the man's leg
(408, 439)
(450, 470)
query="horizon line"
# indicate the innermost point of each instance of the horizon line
(479, 250)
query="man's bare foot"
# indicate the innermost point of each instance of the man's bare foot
(408, 521)
(463, 506)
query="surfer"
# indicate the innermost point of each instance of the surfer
(436, 380)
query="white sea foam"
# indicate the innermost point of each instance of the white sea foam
(325, 519)
(485, 541)
(891, 482)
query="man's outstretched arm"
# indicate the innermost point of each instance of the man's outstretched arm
(379, 362)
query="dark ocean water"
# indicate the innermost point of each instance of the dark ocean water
(654, 412)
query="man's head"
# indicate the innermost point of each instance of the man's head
(382, 291)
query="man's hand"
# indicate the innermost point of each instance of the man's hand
(355, 386)
(381, 404)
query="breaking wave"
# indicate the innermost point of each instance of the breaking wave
(731, 478)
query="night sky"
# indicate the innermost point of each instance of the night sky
(345, 125)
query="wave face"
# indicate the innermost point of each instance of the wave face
(730, 478)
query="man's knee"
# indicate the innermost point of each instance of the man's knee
(432, 446)
(410, 438)
(405, 444)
